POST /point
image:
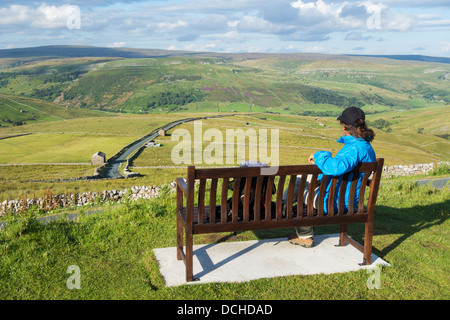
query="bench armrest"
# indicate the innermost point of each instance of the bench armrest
(182, 184)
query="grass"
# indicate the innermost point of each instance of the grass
(60, 148)
(113, 250)
(29, 110)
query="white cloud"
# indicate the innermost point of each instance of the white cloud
(167, 26)
(42, 17)
(397, 21)
(445, 46)
(192, 47)
(119, 44)
(315, 49)
(313, 13)
(233, 24)
(313, 7)
(356, 36)
(255, 24)
(232, 36)
(15, 14)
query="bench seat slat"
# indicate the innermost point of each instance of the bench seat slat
(275, 224)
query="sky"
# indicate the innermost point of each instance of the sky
(275, 26)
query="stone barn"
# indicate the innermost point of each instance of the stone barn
(98, 159)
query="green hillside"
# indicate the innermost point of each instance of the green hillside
(303, 84)
(19, 110)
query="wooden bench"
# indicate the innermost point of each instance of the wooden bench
(214, 186)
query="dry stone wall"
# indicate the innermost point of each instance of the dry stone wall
(410, 170)
(51, 202)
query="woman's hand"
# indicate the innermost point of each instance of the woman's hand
(311, 158)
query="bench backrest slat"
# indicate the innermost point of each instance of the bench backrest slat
(332, 191)
(247, 194)
(343, 188)
(201, 201)
(224, 195)
(311, 195)
(212, 201)
(290, 196)
(362, 190)
(236, 199)
(351, 204)
(374, 185)
(268, 199)
(256, 171)
(322, 189)
(279, 197)
(258, 199)
(300, 196)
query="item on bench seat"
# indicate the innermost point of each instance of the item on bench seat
(236, 212)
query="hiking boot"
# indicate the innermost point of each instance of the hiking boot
(306, 243)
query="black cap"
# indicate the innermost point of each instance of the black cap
(351, 115)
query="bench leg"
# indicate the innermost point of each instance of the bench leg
(179, 236)
(189, 256)
(342, 234)
(368, 235)
(179, 223)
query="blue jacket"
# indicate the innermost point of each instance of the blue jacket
(355, 150)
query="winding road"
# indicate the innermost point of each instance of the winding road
(112, 168)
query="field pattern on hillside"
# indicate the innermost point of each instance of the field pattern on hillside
(289, 84)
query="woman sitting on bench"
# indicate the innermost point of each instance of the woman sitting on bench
(356, 149)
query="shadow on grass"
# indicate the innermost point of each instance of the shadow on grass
(388, 220)
(408, 221)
